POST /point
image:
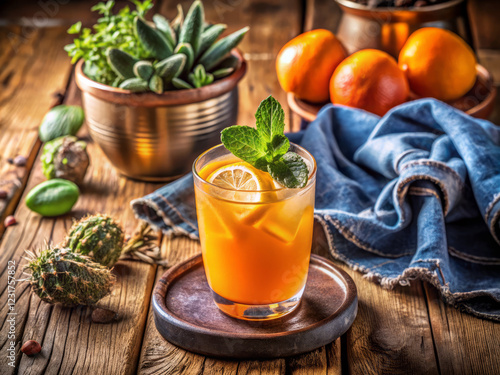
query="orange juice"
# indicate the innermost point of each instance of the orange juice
(256, 244)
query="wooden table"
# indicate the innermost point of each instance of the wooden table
(406, 330)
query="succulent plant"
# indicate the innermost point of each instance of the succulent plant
(185, 53)
(65, 157)
(59, 275)
(98, 236)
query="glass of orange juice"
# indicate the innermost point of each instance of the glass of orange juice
(255, 234)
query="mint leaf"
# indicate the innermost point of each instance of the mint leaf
(289, 171)
(278, 147)
(245, 143)
(270, 119)
(266, 147)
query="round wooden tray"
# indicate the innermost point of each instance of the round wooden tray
(186, 315)
(478, 102)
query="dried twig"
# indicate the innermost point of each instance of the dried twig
(143, 246)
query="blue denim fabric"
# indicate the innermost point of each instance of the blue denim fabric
(415, 194)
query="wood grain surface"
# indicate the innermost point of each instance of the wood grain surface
(23, 75)
(407, 330)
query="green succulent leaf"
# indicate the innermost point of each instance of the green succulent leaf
(207, 26)
(143, 69)
(218, 51)
(178, 21)
(163, 25)
(221, 73)
(229, 62)
(134, 84)
(170, 67)
(209, 36)
(209, 78)
(156, 84)
(192, 27)
(152, 40)
(200, 73)
(121, 62)
(187, 50)
(181, 84)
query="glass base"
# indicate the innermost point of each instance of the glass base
(257, 312)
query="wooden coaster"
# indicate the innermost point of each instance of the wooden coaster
(186, 315)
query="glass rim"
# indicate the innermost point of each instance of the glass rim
(311, 177)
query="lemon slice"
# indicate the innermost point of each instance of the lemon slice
(242, 181)
(236, 176)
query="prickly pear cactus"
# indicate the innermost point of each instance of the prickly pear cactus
(98, 236)
(186, 53)
(62, 276)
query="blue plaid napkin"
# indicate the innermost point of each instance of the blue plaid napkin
(412, 195)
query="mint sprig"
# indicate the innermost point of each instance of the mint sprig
(266, 146)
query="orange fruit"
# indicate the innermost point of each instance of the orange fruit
(306, 63)
(371, 80)
(438, 64)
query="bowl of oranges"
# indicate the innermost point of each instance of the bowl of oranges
(314, 69)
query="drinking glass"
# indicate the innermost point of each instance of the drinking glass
(255, 244)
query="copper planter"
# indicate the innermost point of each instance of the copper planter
(388, 29)
(154, 137)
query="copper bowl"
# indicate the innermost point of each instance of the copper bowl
(154, 137)
(388, 29)
(478, 102)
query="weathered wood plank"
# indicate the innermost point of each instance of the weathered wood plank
(391, 333)
(71, 343)
(464, 344)
(158, 356)
(33, 69)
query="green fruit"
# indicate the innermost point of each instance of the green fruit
(98, 236)
(53, 197)
(61, 276)
(61, 120)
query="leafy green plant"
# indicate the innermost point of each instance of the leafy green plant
(266, 147)
(129, 52)
(110, 31)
